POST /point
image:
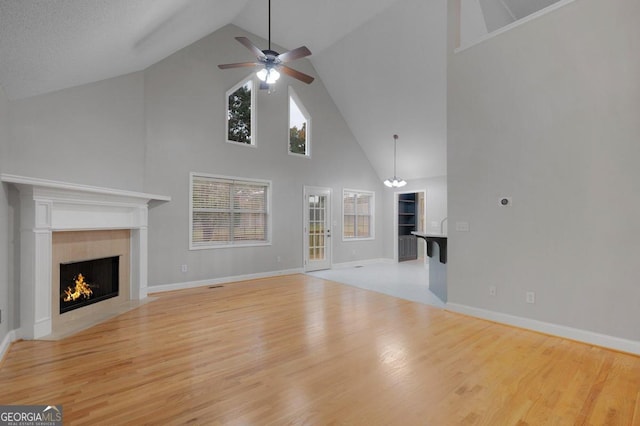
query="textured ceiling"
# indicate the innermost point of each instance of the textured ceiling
(382, 61)
(47, 45)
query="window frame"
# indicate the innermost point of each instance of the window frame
(293, 95)
(372, 209)
(254, 112)
(231, 244)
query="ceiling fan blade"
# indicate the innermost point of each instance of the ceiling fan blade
(238, 65)
(296, 74)
(252, 47)
(291, 55)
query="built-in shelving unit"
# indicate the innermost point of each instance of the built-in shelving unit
(407, 223)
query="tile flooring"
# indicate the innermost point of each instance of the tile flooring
(406, 280)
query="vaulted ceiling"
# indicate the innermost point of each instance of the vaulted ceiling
(382, 61)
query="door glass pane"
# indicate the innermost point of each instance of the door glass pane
(317, 205)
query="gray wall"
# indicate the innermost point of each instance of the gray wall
(92, 134)
(436, 202)
(495, 14)
(548, 113)
(5, 290)
(185, 118)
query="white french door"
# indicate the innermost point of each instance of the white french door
(317, 228)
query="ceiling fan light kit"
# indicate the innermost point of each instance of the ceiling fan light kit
(271, 61)
(395, 182)
(268, 75)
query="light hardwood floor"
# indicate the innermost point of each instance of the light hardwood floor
(300, 350)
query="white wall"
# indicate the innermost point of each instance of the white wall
(92, 134)
(548, 113)
(185, 118)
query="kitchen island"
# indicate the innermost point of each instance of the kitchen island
(437, 253)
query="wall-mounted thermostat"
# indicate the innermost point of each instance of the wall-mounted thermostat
(506, 201)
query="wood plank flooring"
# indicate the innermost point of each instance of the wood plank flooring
(303, 351)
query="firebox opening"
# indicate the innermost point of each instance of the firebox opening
(89, 281)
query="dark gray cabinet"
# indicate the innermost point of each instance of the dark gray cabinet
(407, 222)
(407, 248)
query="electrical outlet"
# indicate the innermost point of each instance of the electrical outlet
(492, 290)
(184, 268)
(531, 297)
(278, 259)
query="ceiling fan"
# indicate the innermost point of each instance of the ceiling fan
(271, 61)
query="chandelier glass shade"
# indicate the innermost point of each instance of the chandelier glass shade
(395, 182)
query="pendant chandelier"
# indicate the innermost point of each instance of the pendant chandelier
(395, 182)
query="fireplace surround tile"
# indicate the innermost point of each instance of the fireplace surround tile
(72, 246)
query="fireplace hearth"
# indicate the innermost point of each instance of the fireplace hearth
(86, 282)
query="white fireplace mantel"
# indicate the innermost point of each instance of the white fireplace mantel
(47, 206)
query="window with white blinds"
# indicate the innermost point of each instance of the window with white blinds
(357, 215)
(228, 211)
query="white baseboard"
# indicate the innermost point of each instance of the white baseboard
(12, 336)
(216, 281)
(361, 263)
(590, 337)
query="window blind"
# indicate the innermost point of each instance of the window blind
(357, 214)
(228, 211)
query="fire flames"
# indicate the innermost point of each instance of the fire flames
(81, 289)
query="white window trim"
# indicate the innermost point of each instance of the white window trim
(230, 244)
(372, 224)
(303, 109)
(254, 112)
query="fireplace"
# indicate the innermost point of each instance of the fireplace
(50, 211)
(88, 267)
(86, 282)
